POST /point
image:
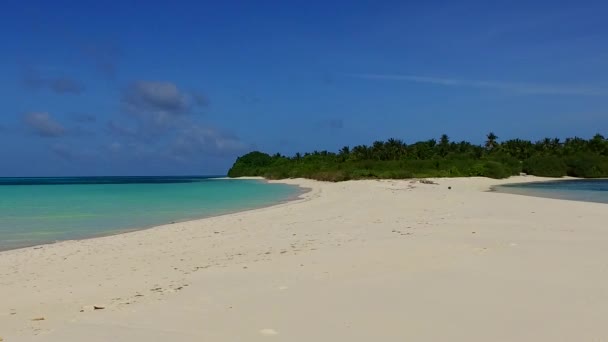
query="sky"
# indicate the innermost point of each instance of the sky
(184, 87)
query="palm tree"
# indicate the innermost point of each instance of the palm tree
(444, 145)
(343, 153)
(599, 144)
(378, 150)
(491, 142)
(543, 146)
(556, 145)
(394, 148)
(360, 152)
(518, 148)
(575, 145)
(423, 149)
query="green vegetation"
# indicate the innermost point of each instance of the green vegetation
(394, 159)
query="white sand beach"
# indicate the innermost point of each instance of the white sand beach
(353, 261)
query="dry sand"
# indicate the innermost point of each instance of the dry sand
(353, 261)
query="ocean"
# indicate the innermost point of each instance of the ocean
(586, 190)
(42, 210)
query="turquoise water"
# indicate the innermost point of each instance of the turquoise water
(587, 190)
(41, 210)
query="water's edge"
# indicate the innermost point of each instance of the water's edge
(297, 196)
(530, 189)
(519, 188)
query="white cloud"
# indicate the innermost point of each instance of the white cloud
(60, 85)
(205, 140)
(524, 88)
(41, 123)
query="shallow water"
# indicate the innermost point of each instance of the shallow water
(41, 210)
(587, 190)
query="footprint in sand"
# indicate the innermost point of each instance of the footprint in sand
(268, 332)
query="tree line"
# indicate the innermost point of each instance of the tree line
(393, 158)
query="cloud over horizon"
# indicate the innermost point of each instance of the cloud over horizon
(160, 123)
(205, 140)
(33, 79)
(158, 103)
(524, 88)
(41, 124)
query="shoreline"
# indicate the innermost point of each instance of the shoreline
(528, 189)
(295, 197)
(298, 197)
(303, 190)
(402, 250)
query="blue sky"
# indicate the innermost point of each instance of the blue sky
(157, 88)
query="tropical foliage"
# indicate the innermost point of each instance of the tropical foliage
(431, 158)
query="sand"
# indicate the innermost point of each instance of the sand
(352, 261)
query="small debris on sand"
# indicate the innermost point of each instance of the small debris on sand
(268, 332)
(38, 319)
(88, 308)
